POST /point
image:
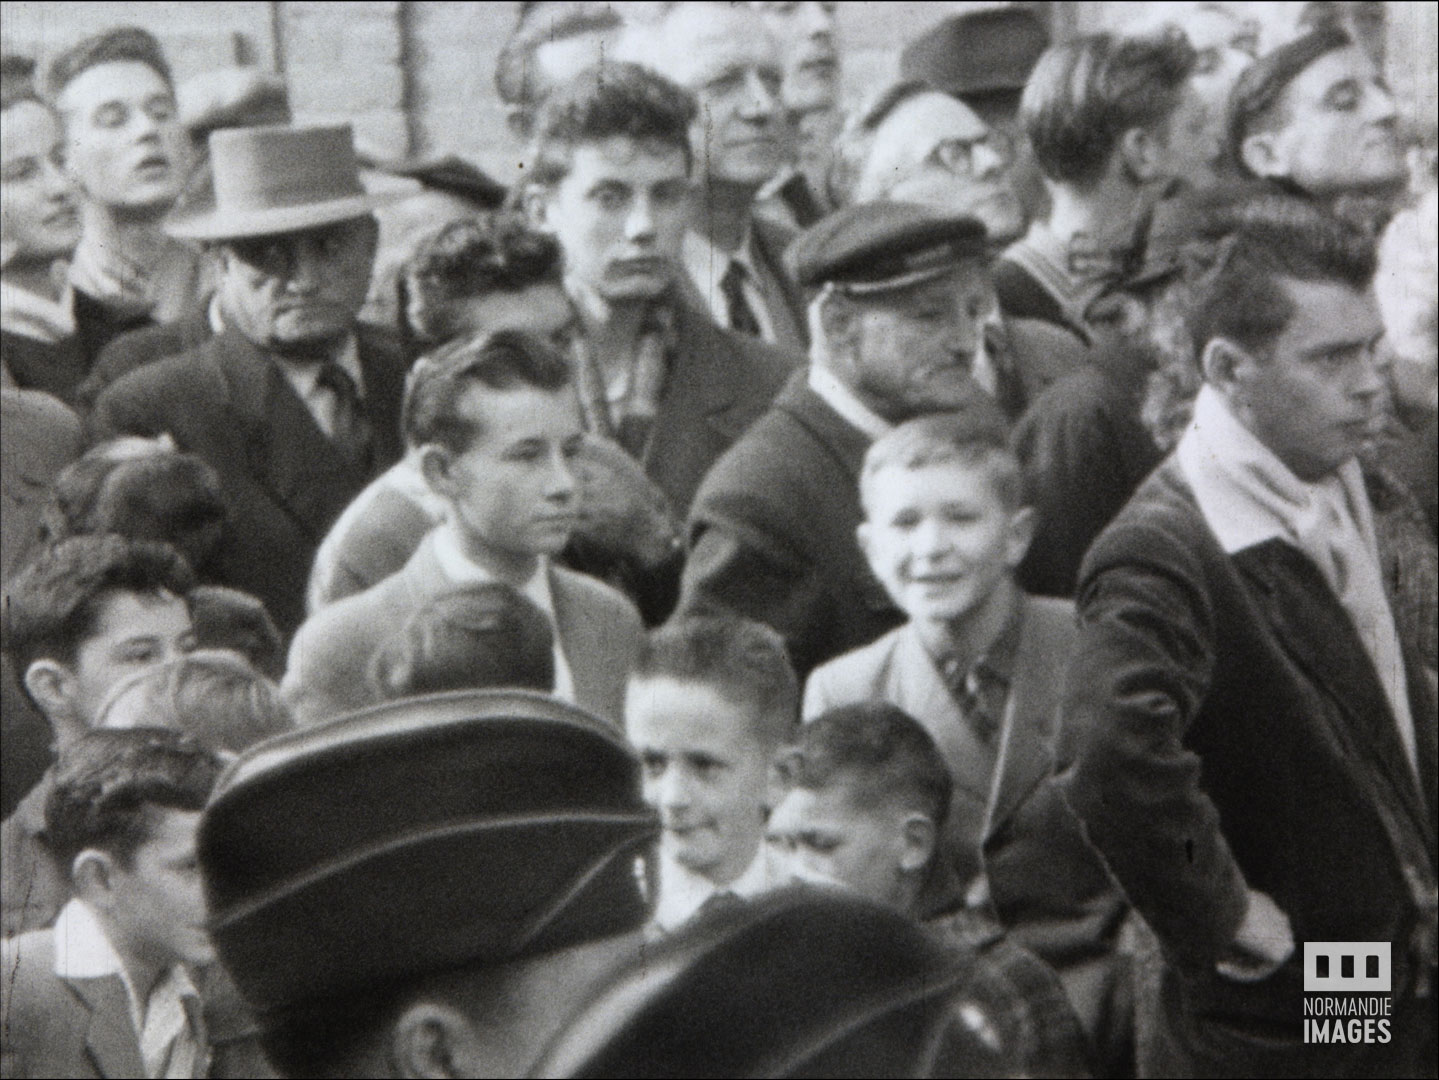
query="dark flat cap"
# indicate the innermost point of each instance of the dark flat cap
(977, 53)
(801, 982)
(452, 175)
(877, 246)
(429, 833)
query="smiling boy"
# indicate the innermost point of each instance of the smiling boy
(978, 666)
(709, 706)
(497, 426)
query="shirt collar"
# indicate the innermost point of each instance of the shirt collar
(682, 892)
(303, 377)
(34, 316)
(1246, 493)
(844, 401)
(707, 263)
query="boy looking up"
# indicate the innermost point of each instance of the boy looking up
(868, 796)
(108, 991)
(497, 426)
(710, 704)
(977, 665)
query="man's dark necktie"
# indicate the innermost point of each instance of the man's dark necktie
(741, 316)
(351, 435)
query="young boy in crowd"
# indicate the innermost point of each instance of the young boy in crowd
(497, 426)
(110, 990)
(978, 665)
(712, 701)
(83, 615)
(868, 796)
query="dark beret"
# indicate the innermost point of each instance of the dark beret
(877, 246)
(1260, 87)
(418, 836)
(981, 52)
(801, 982)
(454, 176)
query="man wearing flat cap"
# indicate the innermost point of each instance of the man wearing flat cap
(295, 403)
(897, 329)
(458, 933)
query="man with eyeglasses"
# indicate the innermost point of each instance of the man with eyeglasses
(295, 404)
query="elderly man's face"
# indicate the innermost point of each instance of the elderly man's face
(805, 32)
(298, 291)
(912, 351)
(727, 58)
(934, 150)
(126, 145)
(1339, 131)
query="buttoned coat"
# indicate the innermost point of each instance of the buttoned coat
(772, 533)
(598, 628)
(1048, 886)
(1230, 733)
(283, 480)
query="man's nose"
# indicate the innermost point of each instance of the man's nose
(58, 184)
(640, 223)
(987, 162)
(1379, 104)
(563, 483)
(671, 790)
(932, 539)
(307, 266)
(761, 101)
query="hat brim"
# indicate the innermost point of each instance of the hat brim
(212, 223)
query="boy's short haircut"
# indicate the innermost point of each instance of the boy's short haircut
(108, 784)
(880, 754)
(212, 695)
(976, 437)
(744, 661)
(472, 638)
(52, 604)
(121, 45)
(1085, 94)
(501, 360)
(1254, 103)
(607, 101)
(145, 489)
(473, 257)
(225, 618)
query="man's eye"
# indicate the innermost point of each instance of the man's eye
(904, 521)
(1344, 99)
(160, 110)
(727, 83)
(23, 169)
(820, 845)
(654, 765)
(139, 654)
(111, 116)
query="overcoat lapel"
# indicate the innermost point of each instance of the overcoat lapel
(110, 1037)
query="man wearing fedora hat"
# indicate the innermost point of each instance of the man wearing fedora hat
(295, 403)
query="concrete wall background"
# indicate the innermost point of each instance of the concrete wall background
(418, 77)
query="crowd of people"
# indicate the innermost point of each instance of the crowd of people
(946, 587)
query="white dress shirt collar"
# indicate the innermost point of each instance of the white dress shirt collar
(706, 265)
(844, 401)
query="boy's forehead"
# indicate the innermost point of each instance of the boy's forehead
(502, 415)
(623, 158)
(677, 712)
(897, 483)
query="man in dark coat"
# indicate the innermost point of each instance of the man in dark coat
(295, 404)
(1254, 737)
(772, 530)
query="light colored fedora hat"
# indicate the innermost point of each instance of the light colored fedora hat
(270, 180)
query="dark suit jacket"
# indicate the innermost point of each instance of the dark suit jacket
(283, 481)
(772, 533)
(134, 349)
(719, 382)
(1230, 732)
(769, 239)
(598, 628)
(1048, 886)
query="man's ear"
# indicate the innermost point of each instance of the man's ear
(1140, 151)
(920, 840)
(432, 1040)
(535, 199)
(51, 685)
(93, 874)
(1021, 535)
(437, 467)
(838, 322)
(1263, 154)
(776, 777)
(1225, 365)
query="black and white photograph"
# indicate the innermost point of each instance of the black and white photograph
(719, 538)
